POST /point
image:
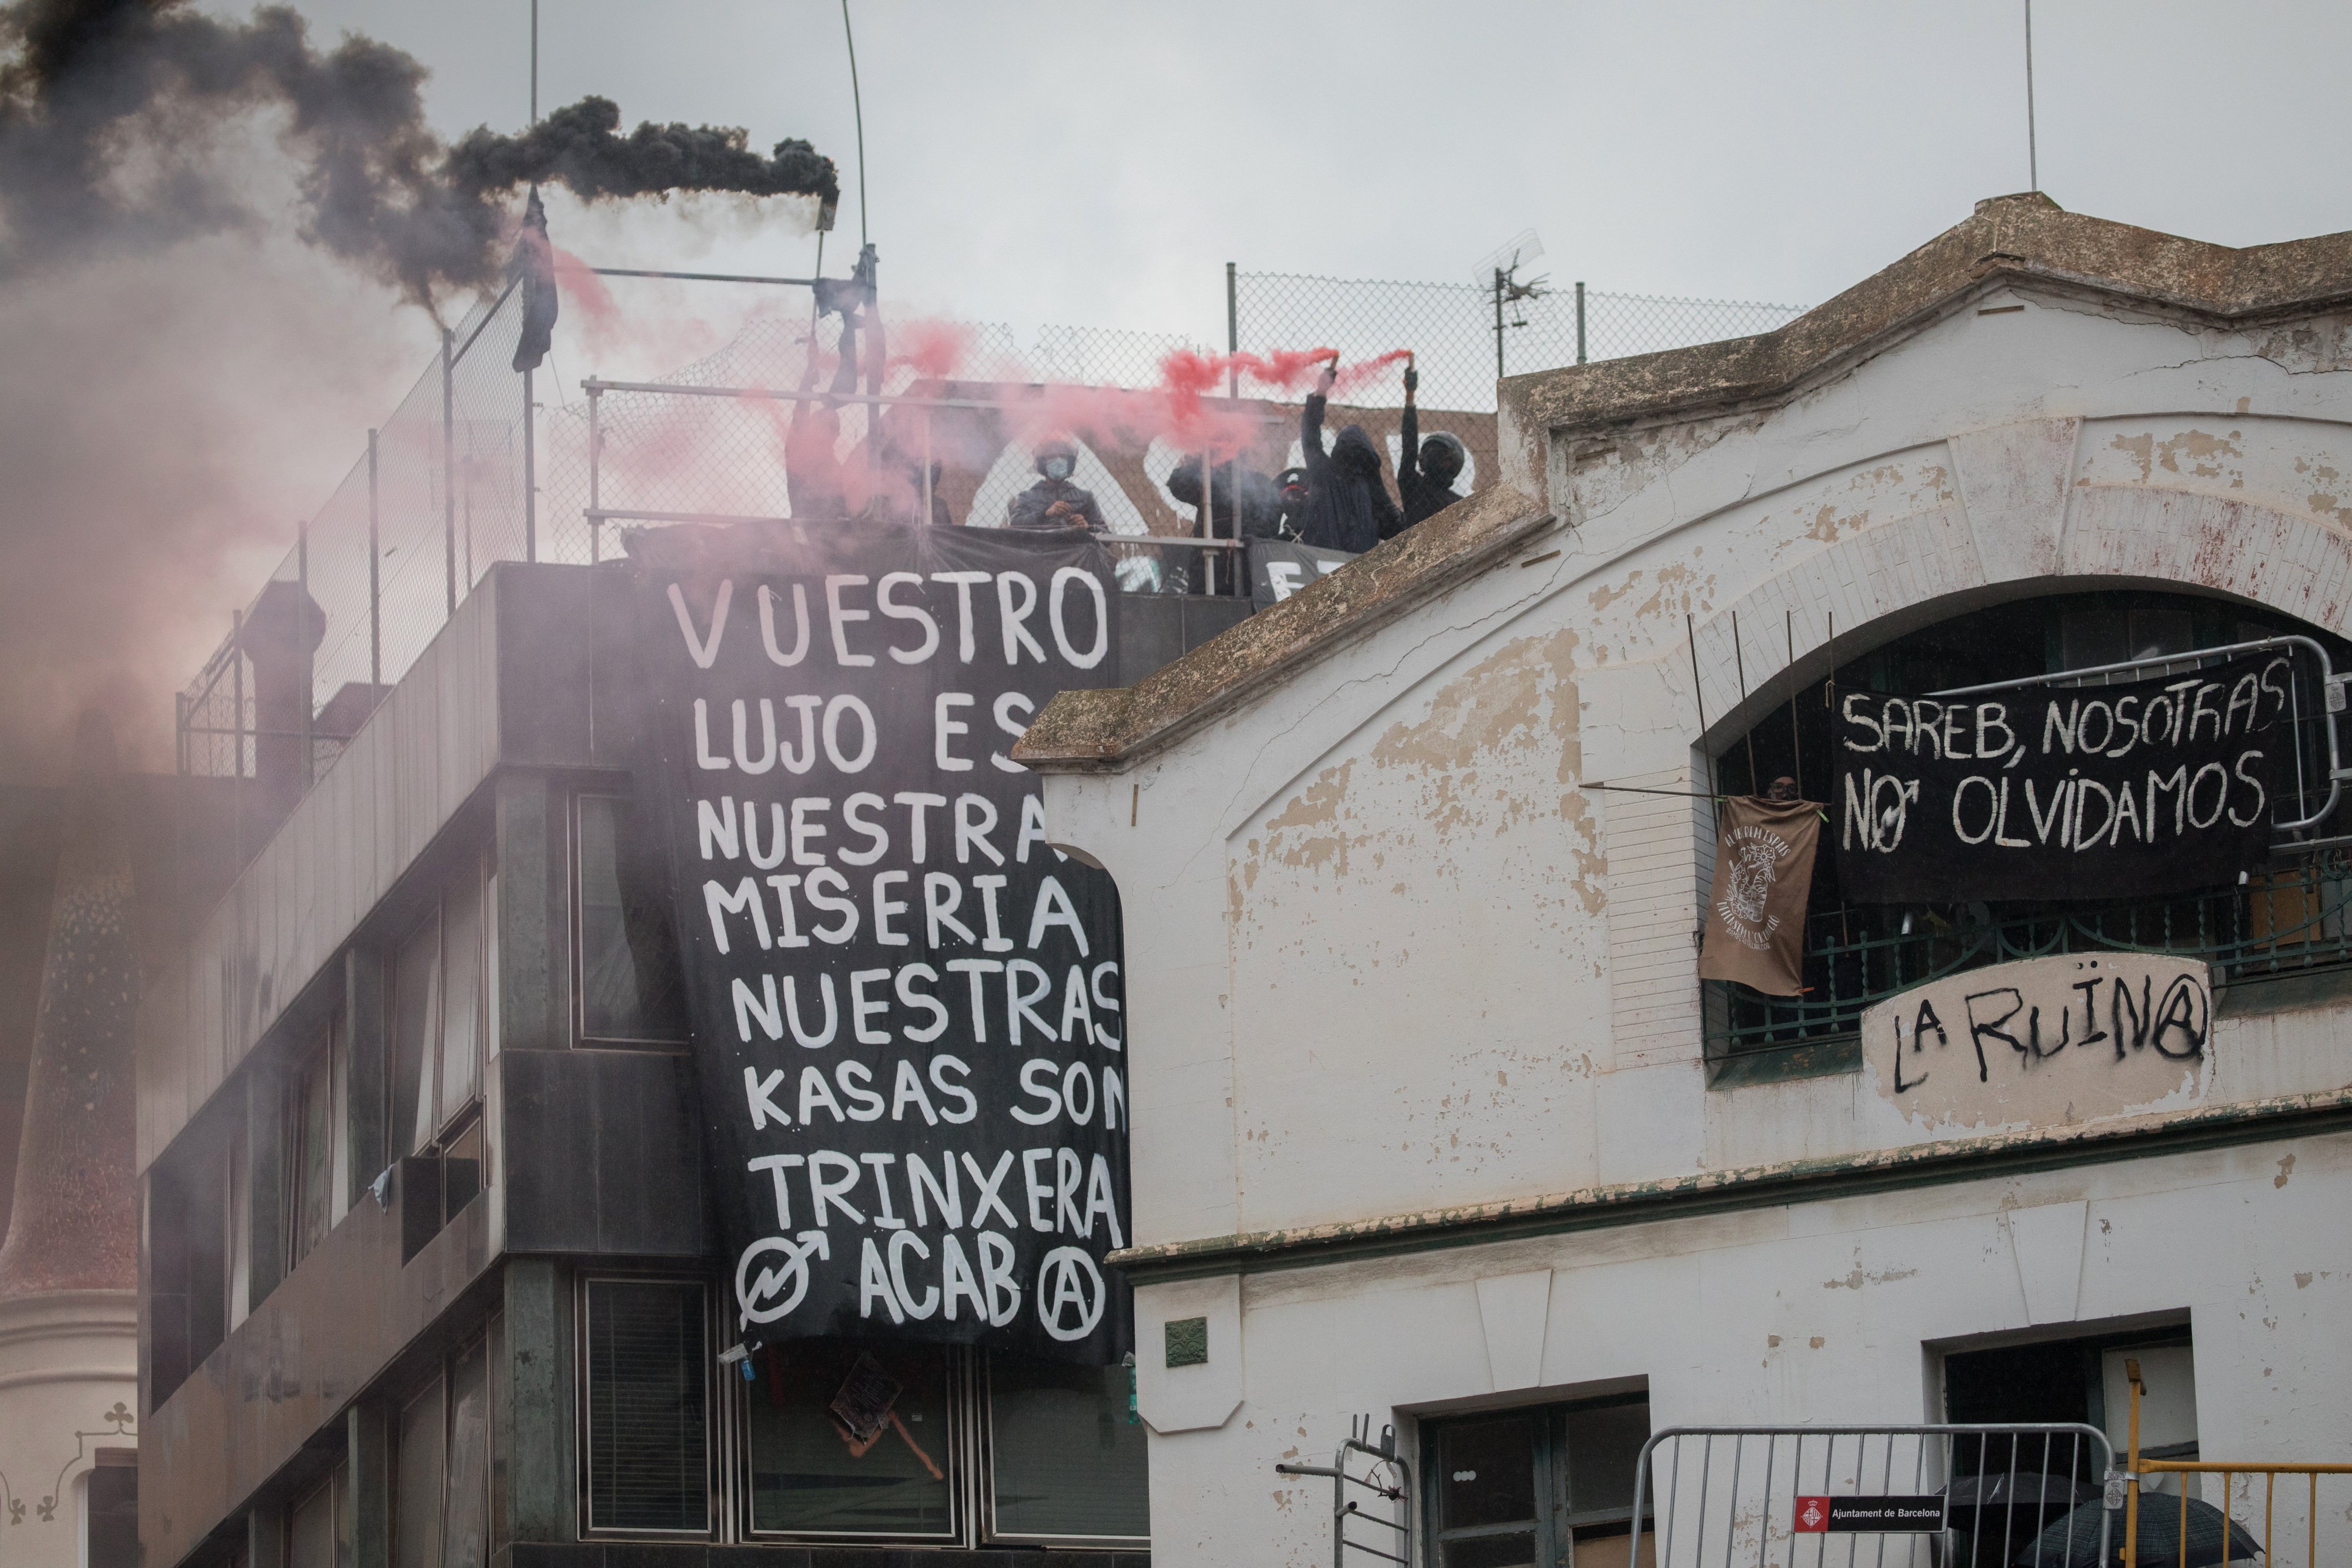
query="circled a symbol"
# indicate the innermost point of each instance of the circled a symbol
(1068, 1278)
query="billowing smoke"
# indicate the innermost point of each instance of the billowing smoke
(187, 376)
(110, 107)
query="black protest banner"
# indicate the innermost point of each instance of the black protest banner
(907, 1007)
(2049, 792)
(1280, 568)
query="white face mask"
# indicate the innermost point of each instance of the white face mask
(1057, 468)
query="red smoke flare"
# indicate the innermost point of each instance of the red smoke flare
(935, 347)
(585, 290)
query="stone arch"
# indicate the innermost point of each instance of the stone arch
(1886, 580)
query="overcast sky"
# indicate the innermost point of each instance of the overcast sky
(1098, 164)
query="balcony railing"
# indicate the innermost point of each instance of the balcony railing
(2293, 918)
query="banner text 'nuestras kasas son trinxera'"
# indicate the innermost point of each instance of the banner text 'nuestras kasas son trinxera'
(907, 1007)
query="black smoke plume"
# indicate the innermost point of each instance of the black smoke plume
(108, 109)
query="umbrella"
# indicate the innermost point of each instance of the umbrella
(2001, 1510)
(2159, 1537)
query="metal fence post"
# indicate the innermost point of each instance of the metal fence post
(1499, 323)
(376, 580)
(449, 469)
(596, 469)
(529, 465)
(301, 605)
(1233, 330)
(236, 689)
(236, 732)
(1580, 323)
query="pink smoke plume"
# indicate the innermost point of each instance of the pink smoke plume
(1363, 373)
(585, 291)
(934, 348)
(1290, 370)
(1188, 408)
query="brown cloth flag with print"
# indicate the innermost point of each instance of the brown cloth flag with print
(1763, 880)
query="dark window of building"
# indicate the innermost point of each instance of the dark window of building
(1065, 1454)
(852, 1439)
(415, 1034)
(2292, 918)
(236, 1182)
(461, 1168)
(440, 1030)
(628, 978)
(311, 1149)
(459, 1075)
(648, 1405)
(441, 1468)
(318, 1527)
(2077, 1379)
(439, 1002)
(1485, 1474)
(418, 1465)
(1520, 1488)
(187, 1236)
(113, 1541)
(845, 1440)
(2081, 1379)
(466, 1508)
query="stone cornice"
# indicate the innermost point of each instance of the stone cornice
(1756, 1187)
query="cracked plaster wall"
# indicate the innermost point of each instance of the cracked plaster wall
(1389, 952)
(1823, 1314)
(1371, 914)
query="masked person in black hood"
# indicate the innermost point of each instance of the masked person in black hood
(1053, 502)
(1427, 469)
(1290, 487)
(1259, 513)
(1348, 505)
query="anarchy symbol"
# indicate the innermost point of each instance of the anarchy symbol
(795, 1274)
(1067, 1277)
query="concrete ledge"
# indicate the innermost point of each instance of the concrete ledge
(1756, 1187)
(697, 1554)
(1106, 731)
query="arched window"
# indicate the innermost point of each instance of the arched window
(2291, 916)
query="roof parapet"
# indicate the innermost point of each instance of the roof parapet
(2026, 236)
(1107, 730)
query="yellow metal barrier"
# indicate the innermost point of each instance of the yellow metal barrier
(2229, 1471)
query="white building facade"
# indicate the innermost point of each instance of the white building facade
(1434, 1120)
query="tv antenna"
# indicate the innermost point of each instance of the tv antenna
(1499, 270)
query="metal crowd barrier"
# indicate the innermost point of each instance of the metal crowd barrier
(2035, 1494)
(1382, 1472)
(2192, 1537)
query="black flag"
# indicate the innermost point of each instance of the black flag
(532, 266)
(907, 1006)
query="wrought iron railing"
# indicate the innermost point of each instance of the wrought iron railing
(2294, 917)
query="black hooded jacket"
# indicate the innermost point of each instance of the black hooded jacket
(1422, 494)
(1028, 509)
(1261, 504)
(1347, 506)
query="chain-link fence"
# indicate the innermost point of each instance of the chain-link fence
(439, 494)
(1465, 336)
(469, 470)
(461, 475)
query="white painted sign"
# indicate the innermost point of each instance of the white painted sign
(2042, 1042)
